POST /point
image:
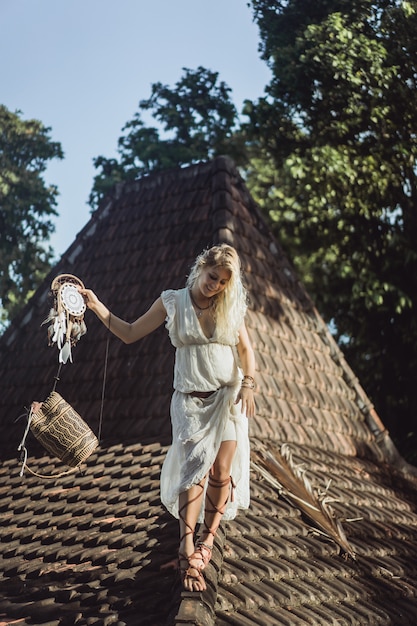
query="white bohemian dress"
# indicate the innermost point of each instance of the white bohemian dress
(199, 424)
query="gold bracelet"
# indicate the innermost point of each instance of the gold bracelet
(247, 385)
(247, 377)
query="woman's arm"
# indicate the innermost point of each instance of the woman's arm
(247, 359)
(127, 332)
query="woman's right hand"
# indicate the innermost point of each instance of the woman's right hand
(90, 299)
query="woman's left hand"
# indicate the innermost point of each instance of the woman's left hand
(246, 396)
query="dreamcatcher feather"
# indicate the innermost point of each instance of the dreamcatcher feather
(66, 317)
(291, 482)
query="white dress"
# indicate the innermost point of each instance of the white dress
(198, 424)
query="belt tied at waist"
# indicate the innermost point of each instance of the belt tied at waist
(201, 394)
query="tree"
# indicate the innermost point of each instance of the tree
(196, 120)
(336, 148)
(26, 206)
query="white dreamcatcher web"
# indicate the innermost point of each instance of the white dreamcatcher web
(72, 300)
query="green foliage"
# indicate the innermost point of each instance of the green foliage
(195, 120)
(335, 168)
(26, 206)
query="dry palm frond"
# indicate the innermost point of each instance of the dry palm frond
(278, 469)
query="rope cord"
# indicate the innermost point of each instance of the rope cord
(52, 476)
(103, 389)
(56, 377)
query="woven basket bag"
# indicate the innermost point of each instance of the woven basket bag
(62, 431)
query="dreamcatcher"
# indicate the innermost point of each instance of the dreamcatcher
(66, 317)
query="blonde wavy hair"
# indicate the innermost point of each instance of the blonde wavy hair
(229, 306)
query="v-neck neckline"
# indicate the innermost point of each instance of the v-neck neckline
(197, 319)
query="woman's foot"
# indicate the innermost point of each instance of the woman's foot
(191, 571)
(205, 550)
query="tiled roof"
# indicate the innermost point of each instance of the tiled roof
(330, 536)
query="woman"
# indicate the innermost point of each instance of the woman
(210, 403)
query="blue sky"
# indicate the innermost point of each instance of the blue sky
(82, 66)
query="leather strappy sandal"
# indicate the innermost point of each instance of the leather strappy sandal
(191, 576)
(202, 548)
(203, 551)
(187, 571)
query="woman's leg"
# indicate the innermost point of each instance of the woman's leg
(189, 509)
(217, 495)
